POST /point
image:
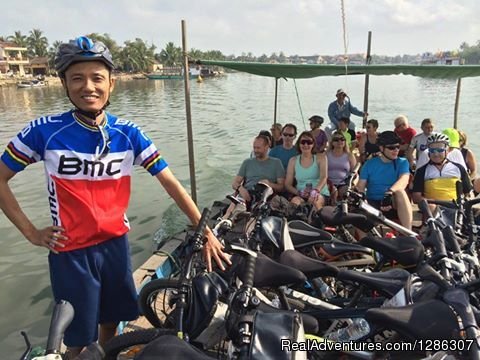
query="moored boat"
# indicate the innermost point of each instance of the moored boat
(171, 73)
(30, 83)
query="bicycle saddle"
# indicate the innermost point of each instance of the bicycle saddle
(303, 234)
(310, 267)
(406, 250)
(388, 282)
(337, 248)
(432, 319)
(333, 216)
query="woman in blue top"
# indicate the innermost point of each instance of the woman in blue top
(310, 172)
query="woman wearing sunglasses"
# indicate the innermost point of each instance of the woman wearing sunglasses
(340, 162)
(310, 172)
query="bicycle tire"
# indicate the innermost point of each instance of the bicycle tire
(147, 300)
(139, 337)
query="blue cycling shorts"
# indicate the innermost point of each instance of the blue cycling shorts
(98, 282)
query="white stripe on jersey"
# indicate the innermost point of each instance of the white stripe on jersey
(145, 154)
(25, 149)
(72, 165)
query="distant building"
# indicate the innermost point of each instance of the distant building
(307, 59)
(39, 66)
(13, 58)
(441, 58)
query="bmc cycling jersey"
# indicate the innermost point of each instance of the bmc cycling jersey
(88, 192)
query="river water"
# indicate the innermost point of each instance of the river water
(227, 113)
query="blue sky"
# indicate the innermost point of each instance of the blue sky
(301, 27)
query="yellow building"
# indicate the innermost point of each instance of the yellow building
(13, 58)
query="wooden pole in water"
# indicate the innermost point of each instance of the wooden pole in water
(186, 77)
(275, 103)
(457, 103)
(367, 79)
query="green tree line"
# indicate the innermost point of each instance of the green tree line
(133, 56)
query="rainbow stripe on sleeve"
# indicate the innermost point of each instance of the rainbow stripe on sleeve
(152, 160)
(18, 156)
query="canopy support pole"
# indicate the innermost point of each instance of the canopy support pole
(186, 77)
(457, 102)
(275, 102)
(367, 80)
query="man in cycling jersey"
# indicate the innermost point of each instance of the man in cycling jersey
(437, 179)
(89, 156)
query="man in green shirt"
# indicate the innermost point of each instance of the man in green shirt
(261, 168)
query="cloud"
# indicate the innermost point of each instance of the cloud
(427, 12)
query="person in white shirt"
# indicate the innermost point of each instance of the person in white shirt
(419, 143)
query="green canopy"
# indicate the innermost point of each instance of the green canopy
(304, 71)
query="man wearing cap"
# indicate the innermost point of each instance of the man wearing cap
(342, 108)
(89, 156)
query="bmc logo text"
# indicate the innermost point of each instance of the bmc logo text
(40, 121)
(74, 166)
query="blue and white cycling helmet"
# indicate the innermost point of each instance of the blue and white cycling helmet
(438, 138)
(79, 50)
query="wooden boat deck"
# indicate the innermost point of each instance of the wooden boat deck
(148, 269)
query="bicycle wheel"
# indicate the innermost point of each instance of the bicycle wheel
(127, 345)
(156, 300)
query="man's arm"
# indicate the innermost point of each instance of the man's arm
(290, 177)
(401, 183)
(213, 248)
(237, 182)
(331, 114)
(409, 155)
(356, 111)
(48, 237)
(361, 185)
(237, 185)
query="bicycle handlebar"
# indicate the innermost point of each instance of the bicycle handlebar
(62, 317)
(200, 229)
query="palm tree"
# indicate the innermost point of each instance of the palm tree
(19, 39)
(136, 56)
(171, 55)
(51, 53)
(38, 43)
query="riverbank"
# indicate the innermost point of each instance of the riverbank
(55, 80)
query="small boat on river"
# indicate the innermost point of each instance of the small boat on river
(176, 73)
(25, 84)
